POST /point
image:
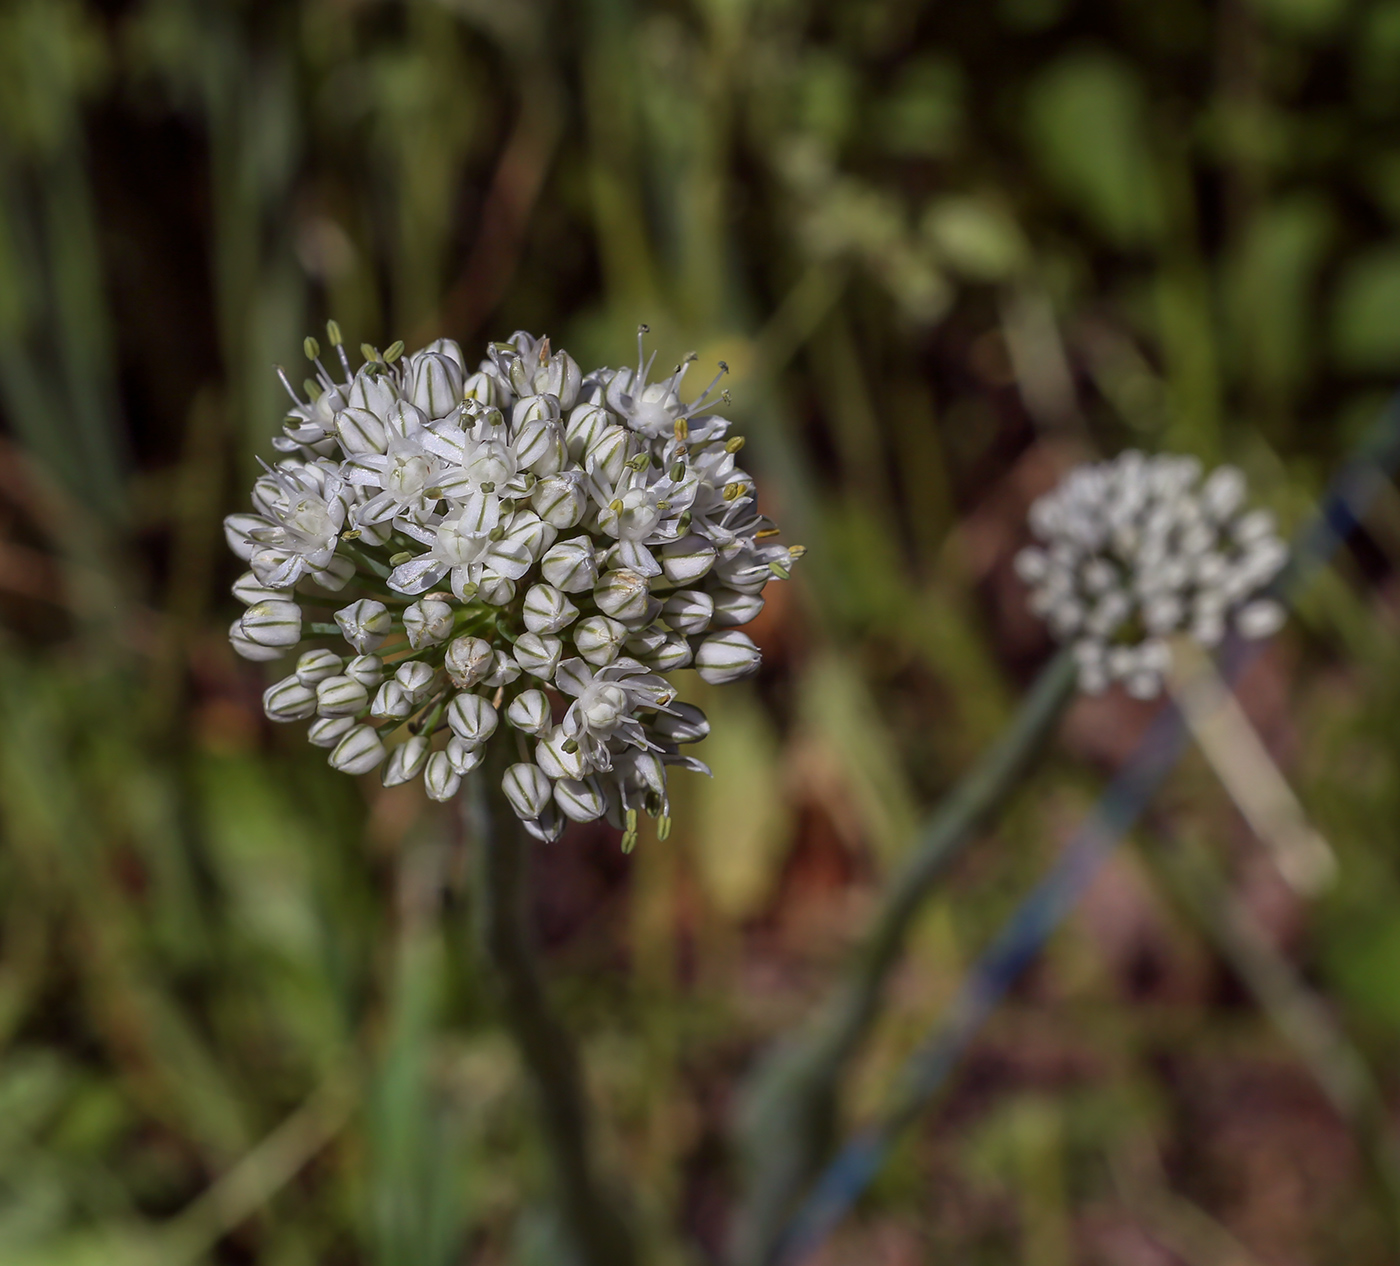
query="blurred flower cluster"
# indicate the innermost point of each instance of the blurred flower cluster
(522, 542)
(1139, 548)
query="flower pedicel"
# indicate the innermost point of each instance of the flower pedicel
(516, 543)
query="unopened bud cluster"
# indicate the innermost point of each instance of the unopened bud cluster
(517, 553)
(1138, 549)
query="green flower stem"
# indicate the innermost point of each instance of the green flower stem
(1302, 1018)
(790, 1106)
(599, 1234)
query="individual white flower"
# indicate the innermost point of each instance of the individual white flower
(480, 521)
(365, 624)
(727, 656)
(358, 752)
(1136, 550)
(406, 761)
(275, 624)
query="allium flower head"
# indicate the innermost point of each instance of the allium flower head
(1134, 550)
(516, 555)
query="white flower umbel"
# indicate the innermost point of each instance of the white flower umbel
(517, 556)
(1133, 551)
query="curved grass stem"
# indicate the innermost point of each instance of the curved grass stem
(790, 1106)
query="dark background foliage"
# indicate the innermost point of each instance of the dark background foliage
(948, 250)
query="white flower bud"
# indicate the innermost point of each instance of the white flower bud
(365, 624)
(248, 591)
(483, 388)
(529, 711)
(1261, 618)
(688, 611)
(472, 718)
(725, 657)
(274, 623)
(586, 423)
(538, 653)
(673, 652)
(1223, 492)
(427, 622)
(580, 799)
(608, 454)
(546, 828)
(682, 723)
(733, 608)
(622, 594)
(527, 789)
(645, 640)
(391, 702)
(368, 670)
(434, 384)
(238, 529)
(559, 501)
(464, 756)
(685, 561)
(468, 660)
(251, 650)
(328, 731)
(358, 752)
(440, 779)
(317, 665)
(570, 565)
(340, 696)
(406, 761)
(416, 678)
(598, 638)
(289, 700)
(360, 431)
(495, 590)
(504, 670)
(547, 610)
(556, 762)
(1253, 527)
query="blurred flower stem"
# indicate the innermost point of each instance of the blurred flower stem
(789, 1110)
(1193, 879)
(591, 1220)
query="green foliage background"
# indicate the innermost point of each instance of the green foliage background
(948, 249)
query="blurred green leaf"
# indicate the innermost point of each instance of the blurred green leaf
(1086, 125)
(1366, 311)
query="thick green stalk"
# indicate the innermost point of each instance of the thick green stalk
(789, 1111)
(590, 1217)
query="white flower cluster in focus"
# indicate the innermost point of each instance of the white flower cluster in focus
(1140, 548)
(516, 547)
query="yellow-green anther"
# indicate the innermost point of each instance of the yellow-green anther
(732, 492)
(677, 471)
(312, 388)
(615, 505)
(779, 571)
(683, 523)
(629, 841)
(397, 560)
(489, 486)
(369, 352)
(663, 826)
(640, 461)
(393, 352)
(764, 534)
(569, 745)
(352, 535)
(682, 430)
(796, 551)
(734, 444)
(333, 333)
(311, 347)
(497, 533)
